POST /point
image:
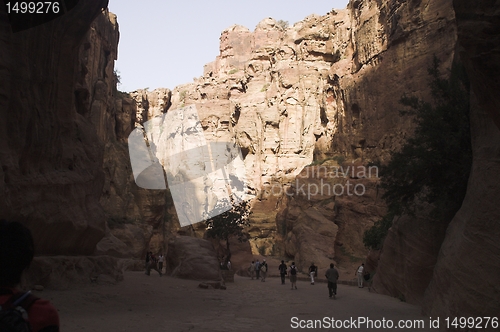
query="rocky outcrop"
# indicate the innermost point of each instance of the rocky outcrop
(455, 275)
(326, 88)
(65, 167)
(390, 45)
(192, 258)
(135, 217)
(408, 257)
(51, 157)
(327, 210)
(465, 282)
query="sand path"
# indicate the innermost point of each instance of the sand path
(142, 303)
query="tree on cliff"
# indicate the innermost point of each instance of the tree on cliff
(434, 165)
(228, 223)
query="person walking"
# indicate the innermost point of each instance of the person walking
(161, 259)
(282, 269)
(332, 275)
(153, 264)
(263, 270)
(293, 275)
(257, 270)
(313, 272)
(148, 262)
(359, 272)
(251, 269)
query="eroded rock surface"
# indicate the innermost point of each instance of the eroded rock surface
(453, 275)
(464, 280)
(192, 258)
(51, 173)
(327, 87)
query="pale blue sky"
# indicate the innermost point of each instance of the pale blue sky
(166, 43)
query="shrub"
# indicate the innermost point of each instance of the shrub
(282, 24)
(228, 223)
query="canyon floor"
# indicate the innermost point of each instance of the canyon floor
(154, 303)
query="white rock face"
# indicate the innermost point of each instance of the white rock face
(199, 171)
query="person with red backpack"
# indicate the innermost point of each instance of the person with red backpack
(20, 311)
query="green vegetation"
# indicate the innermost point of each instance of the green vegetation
(118, 78)
(233, 71)
(282, 24)
(121, 94)
(433, 166)
(182, 97)
(338, 158)
(228, 223)
(350, 256)
(374, 236)
(264, 88)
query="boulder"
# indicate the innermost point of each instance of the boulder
(192, 258)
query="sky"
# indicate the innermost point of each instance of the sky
(166, 43)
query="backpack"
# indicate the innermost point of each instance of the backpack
(263, 267)
(293, 270)
(13, 313)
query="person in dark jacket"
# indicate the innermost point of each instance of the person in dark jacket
(332, 275)
(282, 269)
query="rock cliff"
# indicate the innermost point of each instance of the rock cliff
(324, 89)
(453, 274)
(464, 279)
(65, 168)
(302, 102)
(51, 172)
(135, 217)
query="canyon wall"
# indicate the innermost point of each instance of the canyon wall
(464, 279)
(136, 218)
(51, 172)
(65, 165)
(325, 90)
(392, 46)
(454, 273)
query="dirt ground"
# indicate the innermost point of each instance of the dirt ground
(154, 303)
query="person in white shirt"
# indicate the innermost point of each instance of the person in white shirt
(359, 272)
(161, 258)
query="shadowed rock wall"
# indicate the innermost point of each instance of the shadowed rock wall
(50, 155)
(465, 279)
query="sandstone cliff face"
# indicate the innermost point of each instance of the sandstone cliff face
(325, 221)
(51, 157)
(65, 166)
(326, 88)
(134, 216)
(465, 277)
(455, 275)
